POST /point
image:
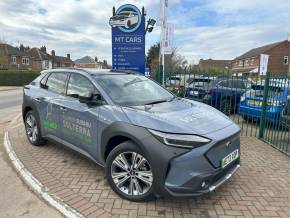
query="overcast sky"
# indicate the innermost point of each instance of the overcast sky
(218, 29)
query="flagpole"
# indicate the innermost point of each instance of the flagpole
(165, 5)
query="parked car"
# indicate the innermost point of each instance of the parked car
(286, 115)
(252, 102)
(198, 88)
(150, 142)
(124, 19)
(221, 93)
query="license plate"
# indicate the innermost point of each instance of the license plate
(253, 102)
(230, 158)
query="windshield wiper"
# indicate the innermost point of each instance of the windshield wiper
(157, 102)
(171, 99)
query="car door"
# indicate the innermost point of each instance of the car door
(53, 90)
(79, 121)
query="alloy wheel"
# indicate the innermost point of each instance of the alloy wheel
(132, 173)
(31, 128)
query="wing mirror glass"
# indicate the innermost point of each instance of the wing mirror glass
(86, 97)
(91, 98)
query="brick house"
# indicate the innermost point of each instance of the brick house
(88, 62)
(14, 58)
(60, 61)
(40, 59)
(210, 64)
(278, 52)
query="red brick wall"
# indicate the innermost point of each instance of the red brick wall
(276, 59)
(255, 64)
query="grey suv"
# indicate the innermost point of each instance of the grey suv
(150, 142)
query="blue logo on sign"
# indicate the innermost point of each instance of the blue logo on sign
(128, 18)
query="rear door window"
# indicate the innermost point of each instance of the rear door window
(56, 83)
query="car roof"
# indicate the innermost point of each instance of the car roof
(91, 71)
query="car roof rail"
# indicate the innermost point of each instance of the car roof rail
(124, 71)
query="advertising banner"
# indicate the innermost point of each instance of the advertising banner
(167, 40)
(264, 64)
(128, 39)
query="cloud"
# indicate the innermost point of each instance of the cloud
(221, 29)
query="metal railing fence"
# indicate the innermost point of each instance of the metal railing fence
(259, 104)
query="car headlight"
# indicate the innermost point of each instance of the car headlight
(179, 140)
(243, 98)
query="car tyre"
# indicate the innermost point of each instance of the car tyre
(226, 106)
(128, 23)
(129, 172)
(32, 129)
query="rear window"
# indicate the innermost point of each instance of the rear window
(234, 84)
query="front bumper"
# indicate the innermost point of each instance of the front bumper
(199, 171)
(182, 172)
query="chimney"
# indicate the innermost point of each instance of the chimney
(43, 49)
(21, 48)
(68, 56)
(52, 53)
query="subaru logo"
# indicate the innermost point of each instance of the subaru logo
(127, 18)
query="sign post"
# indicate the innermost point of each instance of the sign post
(128, 39)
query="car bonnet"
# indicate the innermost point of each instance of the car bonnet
(178, 116)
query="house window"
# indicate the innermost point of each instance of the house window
(25, 60)
(13, 59)
(247, 62)
(241, 63)
(286, 60)
(252, 61)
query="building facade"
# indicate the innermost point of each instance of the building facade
(278, 52)
(88, 62)
(31, 58)
(215, 65)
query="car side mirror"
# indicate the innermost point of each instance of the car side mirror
(86, 98)
(91, 99)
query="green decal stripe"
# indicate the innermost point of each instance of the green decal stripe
(49, 124)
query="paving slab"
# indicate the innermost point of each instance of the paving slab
(261, 188)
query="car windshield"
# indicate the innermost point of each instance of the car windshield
(133, 90)
(198, 85)
(124, 14)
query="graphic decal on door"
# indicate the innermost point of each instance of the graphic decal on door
(76, 127)
(49, 123)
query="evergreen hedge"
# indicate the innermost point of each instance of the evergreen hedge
(17, 77)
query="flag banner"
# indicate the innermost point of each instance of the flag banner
(162, 12)
(264, 64)
(167, 39)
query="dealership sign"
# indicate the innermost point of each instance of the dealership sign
(128, 39)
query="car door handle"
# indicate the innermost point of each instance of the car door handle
(38, 100)
(63, 109)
